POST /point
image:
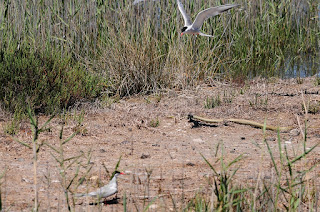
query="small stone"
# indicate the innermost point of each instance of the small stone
(144, 156)
(271, 139)
(243, 138)
(102, 151)
(153, 206)
(190, 164)
(94, 178)
(198, 140)
(295, 132)
(125, 142)
(25, 180)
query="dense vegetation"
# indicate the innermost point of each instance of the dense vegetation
(53, 53)
(43, 80)
(56, 53)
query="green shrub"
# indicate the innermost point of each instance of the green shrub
(42, 79)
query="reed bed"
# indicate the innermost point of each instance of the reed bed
(128, 49)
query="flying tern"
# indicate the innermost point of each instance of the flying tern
(194, 28)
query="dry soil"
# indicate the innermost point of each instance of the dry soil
(160, 149)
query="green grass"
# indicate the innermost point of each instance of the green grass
(216, 100)
(54, 53)
(289, 189)
(228, 196)
(212, 102)
(154, 122)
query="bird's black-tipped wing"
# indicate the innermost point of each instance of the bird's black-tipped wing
(210, 12)
(186, 17)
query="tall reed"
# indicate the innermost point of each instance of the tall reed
(137, 48)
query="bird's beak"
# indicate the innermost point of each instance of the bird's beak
(122, 173)
(181, 34)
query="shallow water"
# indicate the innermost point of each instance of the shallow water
(301, 67)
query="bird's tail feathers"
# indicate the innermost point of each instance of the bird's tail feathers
(202, 34)
(80, 195)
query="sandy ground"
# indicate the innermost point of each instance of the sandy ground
(162, 162)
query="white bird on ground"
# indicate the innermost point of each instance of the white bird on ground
(194, 28)
(106, 190)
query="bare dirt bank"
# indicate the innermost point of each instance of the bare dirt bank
(153, 136)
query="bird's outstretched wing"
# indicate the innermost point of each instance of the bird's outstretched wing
(186, 17)
(210, 12)
(202, 34)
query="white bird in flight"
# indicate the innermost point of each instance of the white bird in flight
(106, 190)
(194, 28)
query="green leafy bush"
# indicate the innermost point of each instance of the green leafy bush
(42, 79)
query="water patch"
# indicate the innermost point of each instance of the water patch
(305, 66)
